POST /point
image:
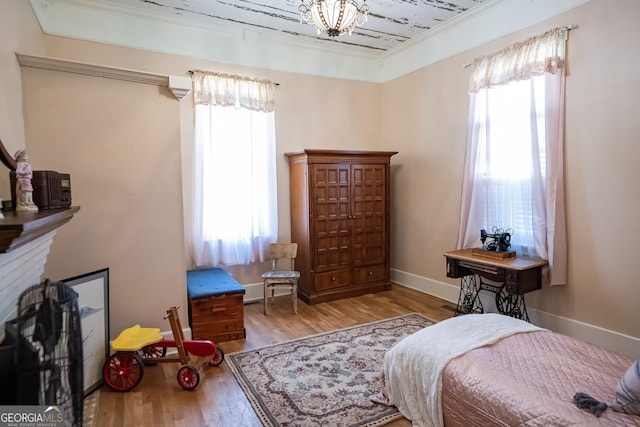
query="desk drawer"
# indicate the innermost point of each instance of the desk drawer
(521, 282)
(497, 274)
(452, 268)
(512, 288)
(512, 282)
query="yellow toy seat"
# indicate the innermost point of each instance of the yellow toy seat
(135, 338)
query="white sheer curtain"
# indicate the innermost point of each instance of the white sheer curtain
(235, 214)
(513, 173)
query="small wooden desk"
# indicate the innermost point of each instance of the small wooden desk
(516, 276)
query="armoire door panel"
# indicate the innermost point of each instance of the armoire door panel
(368, 210)
(332, 250)
(326, 261)
(331, 225)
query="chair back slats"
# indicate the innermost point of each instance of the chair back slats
(283, 250)
(278, 251)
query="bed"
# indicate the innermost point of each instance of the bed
(492, 370)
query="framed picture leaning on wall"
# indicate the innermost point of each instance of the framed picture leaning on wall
(93, 303)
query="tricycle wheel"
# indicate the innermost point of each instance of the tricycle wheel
(188, 377)
(123, 371)
(151, 353)
(218, 357)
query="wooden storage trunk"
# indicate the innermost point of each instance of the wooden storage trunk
(215, 305)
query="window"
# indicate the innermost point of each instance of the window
(510, 122)
(235, 200)
(513, 172)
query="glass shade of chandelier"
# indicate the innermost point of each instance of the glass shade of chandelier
(333, 17)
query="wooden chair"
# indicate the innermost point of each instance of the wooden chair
(282, 279)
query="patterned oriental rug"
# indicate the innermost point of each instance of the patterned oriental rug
(325, 379)
(90, 409)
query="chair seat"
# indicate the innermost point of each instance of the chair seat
(281, 275)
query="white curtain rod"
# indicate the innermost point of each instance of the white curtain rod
(567, 28)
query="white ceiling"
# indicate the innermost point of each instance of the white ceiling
(400, 36)
(389, 24)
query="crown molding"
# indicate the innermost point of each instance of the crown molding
(95, 70)
(178, 85)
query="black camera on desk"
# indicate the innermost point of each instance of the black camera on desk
(499, 241)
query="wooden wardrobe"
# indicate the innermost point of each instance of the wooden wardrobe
(340, 221)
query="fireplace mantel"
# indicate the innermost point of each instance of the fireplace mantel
(20, 228)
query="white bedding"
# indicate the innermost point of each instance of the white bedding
(412, 369)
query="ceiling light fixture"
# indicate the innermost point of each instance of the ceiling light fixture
(333, 17)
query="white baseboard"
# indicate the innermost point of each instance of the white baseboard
(255, 292)
(612, 340)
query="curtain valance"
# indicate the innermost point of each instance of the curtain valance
(234, 91)
(535, 56)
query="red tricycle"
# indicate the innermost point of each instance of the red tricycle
(136, 347)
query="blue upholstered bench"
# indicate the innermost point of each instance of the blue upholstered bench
(215, 305)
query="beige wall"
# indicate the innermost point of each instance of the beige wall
(20, 32)
(121, 143)
(425, 120)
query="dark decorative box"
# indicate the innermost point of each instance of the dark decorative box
(50, 189)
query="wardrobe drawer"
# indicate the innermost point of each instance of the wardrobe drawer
(332, 279)
(370, 273)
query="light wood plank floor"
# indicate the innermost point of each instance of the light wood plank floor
(218, 401)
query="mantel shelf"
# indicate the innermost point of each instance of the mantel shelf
(19, 228)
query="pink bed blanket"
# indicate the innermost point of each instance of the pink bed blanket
(509, 373)
(412, 369)
(530, 380)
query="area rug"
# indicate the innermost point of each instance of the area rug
(325, 379)
(90, 409)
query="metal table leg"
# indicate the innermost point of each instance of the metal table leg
(512, 305)
(469, 300)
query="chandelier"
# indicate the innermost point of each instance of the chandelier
(333, 17)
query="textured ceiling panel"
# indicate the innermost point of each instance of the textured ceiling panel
(390, 22)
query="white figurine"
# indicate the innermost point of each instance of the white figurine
(24, 190)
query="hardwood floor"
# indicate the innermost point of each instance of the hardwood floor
(218, 401)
